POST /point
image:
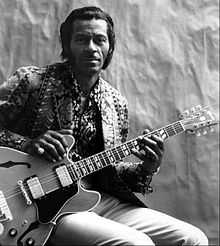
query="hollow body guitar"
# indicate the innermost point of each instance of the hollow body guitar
(35, 193)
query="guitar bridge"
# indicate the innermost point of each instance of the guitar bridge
(24, 192)
(5, 213)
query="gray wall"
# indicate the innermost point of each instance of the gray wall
(166, 61)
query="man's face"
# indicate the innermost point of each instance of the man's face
(89, 46)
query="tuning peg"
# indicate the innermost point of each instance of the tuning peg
(190, 132)
(198, 107)
(204, 132)
(211, 129)
(193, 110)
(184, 114)
(198, 133)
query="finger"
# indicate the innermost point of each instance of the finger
(60, 149)
(49, 150)
(151, 144)
(151, 165)
(66, 131)
(60, 138)
(138, 154)
(39, 150)
(159, 140)
(147, 130)
(150, 154)
(49, 157)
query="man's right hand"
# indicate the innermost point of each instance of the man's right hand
(50, 145)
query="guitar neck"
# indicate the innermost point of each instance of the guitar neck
(108, 157)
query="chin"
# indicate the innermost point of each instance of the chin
(92, 69)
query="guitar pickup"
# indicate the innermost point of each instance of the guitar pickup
(35, 187)
(63, 175)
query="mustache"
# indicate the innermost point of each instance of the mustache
(90, 55)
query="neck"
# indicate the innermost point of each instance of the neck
(86, 82)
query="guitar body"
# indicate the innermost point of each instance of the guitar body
(22, 223)
(35, 193)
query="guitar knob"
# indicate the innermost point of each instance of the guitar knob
(1, 229)
(12, 232)
(30, 242)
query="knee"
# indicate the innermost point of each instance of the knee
(195, 237)
(136, 240)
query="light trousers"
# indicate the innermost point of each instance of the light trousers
(114, 222)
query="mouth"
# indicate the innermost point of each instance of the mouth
(92, 59)
(92, 62)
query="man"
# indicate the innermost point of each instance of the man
(40, 105)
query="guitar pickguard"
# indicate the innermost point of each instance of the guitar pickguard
(49, 206)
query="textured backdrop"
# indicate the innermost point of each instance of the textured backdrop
(166, 60)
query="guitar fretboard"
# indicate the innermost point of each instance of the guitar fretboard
(108, 157)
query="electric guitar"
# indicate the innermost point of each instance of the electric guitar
(35, 193)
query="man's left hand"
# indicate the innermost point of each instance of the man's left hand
(150, 151)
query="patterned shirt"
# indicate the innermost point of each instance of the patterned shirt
(25, 112)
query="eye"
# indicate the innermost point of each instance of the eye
(100, 39)
(81, 39)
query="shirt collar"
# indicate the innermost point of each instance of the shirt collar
(95, 92)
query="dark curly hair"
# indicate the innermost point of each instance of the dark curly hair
(86, 13)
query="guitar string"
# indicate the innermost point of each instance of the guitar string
(118, 149)
(72, 165)
(53, 177)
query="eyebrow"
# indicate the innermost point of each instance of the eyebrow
(84, 33)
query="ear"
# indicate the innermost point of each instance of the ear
(110, 50)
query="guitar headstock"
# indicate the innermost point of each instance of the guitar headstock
(198, 120)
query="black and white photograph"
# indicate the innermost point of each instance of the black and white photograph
(109, 122)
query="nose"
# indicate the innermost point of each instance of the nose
(91, 46)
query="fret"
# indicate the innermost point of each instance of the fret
(110, 156)
(87, 166)
(102, 159)
(117, 154)
(125, 150)
(162, 133)
(98, 162)
(72, 172)
(178, 126)
(78, 172)
(133, 145)
(82, 167)
(93, 162)
(90, 165)
(105, 158)
(170, 130)
(120, 152)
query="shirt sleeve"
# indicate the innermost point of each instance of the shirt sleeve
(134, 175)
(13, 96)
